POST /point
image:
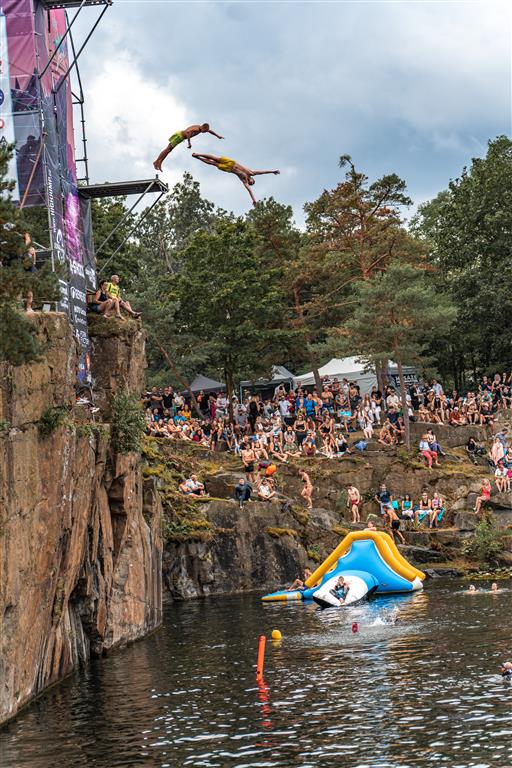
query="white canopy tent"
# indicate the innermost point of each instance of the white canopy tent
(353, 369)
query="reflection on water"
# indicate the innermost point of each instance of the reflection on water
(423, 691)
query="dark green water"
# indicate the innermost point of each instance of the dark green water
(425, 691)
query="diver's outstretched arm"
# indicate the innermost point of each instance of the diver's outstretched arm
(262, 173)
(248, 188)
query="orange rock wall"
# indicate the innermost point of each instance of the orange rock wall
(80, 531)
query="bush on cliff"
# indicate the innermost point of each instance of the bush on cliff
(128, 425)
(487, 542)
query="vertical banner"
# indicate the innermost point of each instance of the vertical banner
(27, 169)
(6, 116)
(40, 111)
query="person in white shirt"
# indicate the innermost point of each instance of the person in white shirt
(222, 405)
(284, 407)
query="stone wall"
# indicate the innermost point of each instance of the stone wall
(450, 437)
(80, 530)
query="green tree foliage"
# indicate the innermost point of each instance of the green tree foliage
(107, 217)
(161, 238)
(487, 541)
(18, 343)
(230, 300)
(395, 314)
(354, 231)
(468, 229)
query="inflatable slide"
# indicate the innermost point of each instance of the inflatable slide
(371, 563)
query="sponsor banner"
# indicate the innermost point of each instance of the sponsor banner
(41, 110)
(6, 116)
(409, 378)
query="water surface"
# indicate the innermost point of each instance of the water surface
(425, 691)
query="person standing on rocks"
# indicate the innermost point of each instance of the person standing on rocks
(354, 500)
(307, 491)
(248, 456)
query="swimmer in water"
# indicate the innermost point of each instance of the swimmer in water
(506, 669)
(472, 588)
(494, 587)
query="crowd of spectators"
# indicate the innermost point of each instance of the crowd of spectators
(333, 422)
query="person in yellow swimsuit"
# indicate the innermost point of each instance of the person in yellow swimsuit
(178, 137)
(246, 175)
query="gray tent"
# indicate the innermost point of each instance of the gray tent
(206, 385)
(279, 375)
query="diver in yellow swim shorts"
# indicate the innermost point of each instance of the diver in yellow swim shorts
(246, 175)
(177, 138)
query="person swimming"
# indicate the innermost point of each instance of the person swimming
(506, 669)
(472, 589)
(494, 587)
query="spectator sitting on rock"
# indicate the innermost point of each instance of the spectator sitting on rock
(266, 491)
(114, 293)
(243, 491)
(192, 486)
(501, 477)
(485, 495)
(427, 452)
(437, 506)
(102, 304)
(407, 508)
(434, 445)
(456, 418)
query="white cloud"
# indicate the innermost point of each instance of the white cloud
(129, 119)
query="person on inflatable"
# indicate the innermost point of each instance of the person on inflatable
(246, 175)
(178, 137)
(341, 589)
(300, 584)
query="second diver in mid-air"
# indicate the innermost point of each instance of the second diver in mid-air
(177, 138)
(246, 175)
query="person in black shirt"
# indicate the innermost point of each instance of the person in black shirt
(167, 397)
(156, 400)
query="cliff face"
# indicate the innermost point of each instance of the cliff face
(80, 540)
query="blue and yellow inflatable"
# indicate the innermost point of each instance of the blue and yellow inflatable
(371, 555)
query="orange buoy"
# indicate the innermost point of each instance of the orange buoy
(261, 657)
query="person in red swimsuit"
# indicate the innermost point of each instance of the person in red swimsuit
(485, 495)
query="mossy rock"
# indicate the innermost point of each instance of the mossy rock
(276, 533)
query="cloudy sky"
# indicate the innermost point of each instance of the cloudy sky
(415, 88)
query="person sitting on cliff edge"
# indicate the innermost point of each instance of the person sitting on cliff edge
(192, 486)
(114, 293)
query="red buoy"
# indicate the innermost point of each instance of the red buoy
(355, 627)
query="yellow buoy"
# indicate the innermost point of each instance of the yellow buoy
(276, 635)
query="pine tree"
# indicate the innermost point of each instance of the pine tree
(396, 314)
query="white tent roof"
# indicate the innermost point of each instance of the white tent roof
(346, 367)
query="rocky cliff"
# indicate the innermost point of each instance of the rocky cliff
(80, 528)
